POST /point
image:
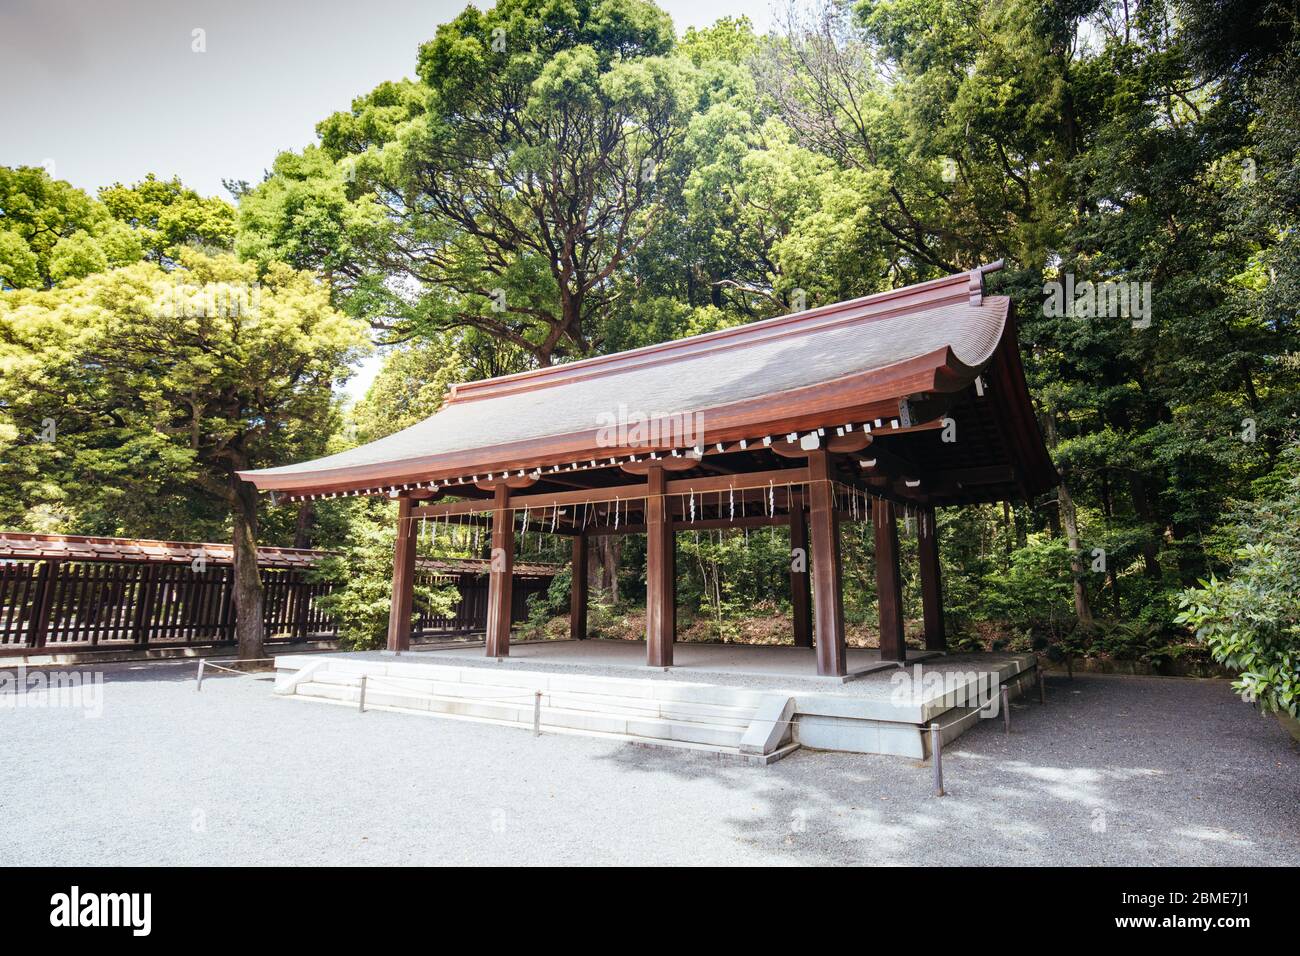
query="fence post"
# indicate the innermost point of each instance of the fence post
(228, 605)
(48, 584)
(537, 714)
(361, 699)
(198, 686)
(301, 602)
(144, 605)
(1006, 708)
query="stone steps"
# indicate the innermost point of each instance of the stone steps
(695, 717)
(630, 706)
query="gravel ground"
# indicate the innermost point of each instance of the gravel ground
(1114, 770)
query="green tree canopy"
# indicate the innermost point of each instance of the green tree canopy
(51, 231)
(137, 386)
(167, 216)
(505, 189)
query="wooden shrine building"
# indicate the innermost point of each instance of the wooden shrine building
(892, 404)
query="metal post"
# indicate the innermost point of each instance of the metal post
(537, 714)
(199, 685)
(936, 755)
(1006, 708)
(361, 701)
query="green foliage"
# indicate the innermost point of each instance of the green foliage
(505, 187)
(1034, 591)
(166, 217)
(362, 576)
(125, 393)
(1250, 619)
(562, 179)
(51, 232)
(409, 388)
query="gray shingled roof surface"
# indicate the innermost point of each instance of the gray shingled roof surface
(757, 366)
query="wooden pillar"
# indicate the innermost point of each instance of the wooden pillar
(800, 596)
(661, 583)
(889, 591)
(578, 589)
(399, 610)
(931, 586)
(828, 587)
(501, 577)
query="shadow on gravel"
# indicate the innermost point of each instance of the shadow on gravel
(1113, 770)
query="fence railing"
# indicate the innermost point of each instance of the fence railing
(55, 605)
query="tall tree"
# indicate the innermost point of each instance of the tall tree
(137, 384)
(513, 181)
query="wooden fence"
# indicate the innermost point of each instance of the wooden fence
(56, 605)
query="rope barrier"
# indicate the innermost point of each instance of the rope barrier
(205, 663)
(235, 670)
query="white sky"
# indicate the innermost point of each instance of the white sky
(102, 92)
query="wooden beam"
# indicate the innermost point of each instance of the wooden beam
(578, 589)
(876, 460)
(889, 591)
(787, 449)
(681, 486)
(501, 575)
(660, 584)
(800, 592)
(666, 462)
(399, 609)
(850, 442)
(828, 588)
(931, 588)
(514, 481)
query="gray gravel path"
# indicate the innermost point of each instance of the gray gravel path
(1115, 770)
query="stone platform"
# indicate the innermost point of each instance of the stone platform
(758, 702)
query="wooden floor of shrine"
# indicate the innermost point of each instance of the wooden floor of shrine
(758, 660)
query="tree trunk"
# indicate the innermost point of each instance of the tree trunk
(609, 553)
(249, 598)
(1070, 520)
(302, 530)
(1150, 541)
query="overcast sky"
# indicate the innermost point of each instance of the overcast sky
(107, 90)
(104, 91)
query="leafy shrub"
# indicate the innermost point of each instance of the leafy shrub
(1250, 620)
(362, 575)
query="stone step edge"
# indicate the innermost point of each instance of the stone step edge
(704, 727)
(482, 674)
(641, 706)
(654, 742)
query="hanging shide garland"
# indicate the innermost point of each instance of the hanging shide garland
(466, 530)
